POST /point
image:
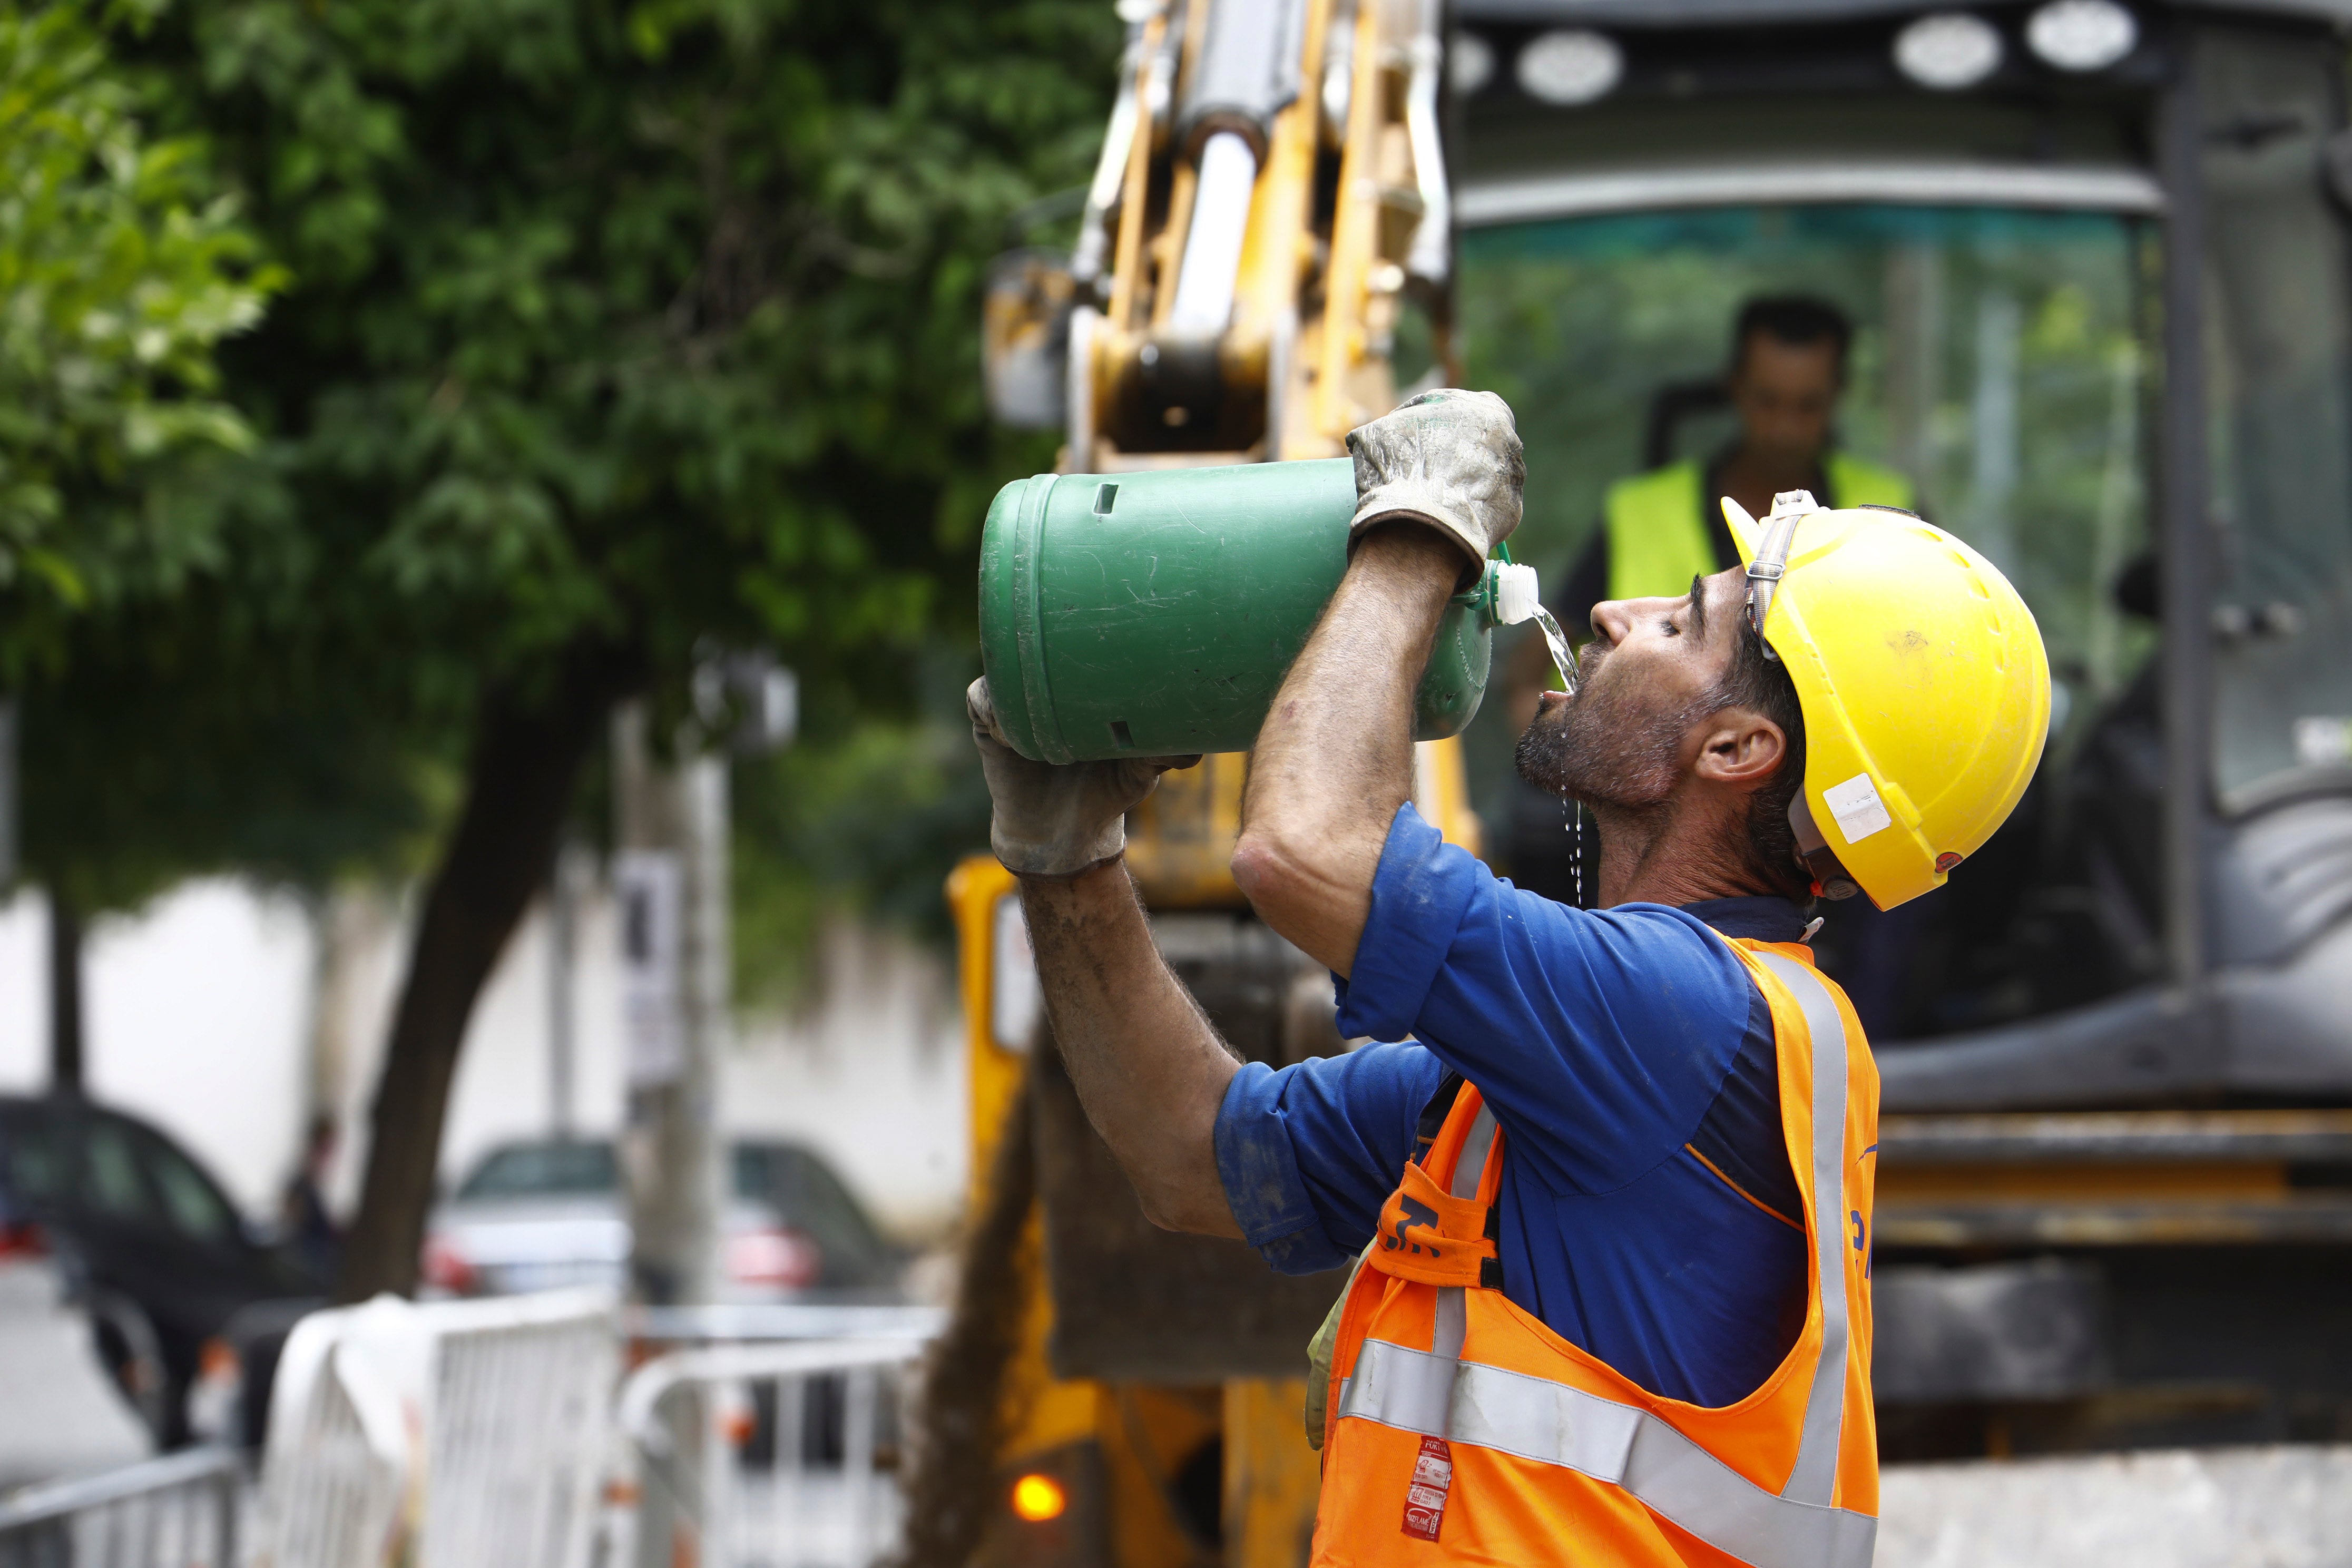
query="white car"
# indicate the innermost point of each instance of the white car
(63, 1416)
(547, 1213)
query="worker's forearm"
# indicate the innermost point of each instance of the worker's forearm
(1147, 1065)
(1334, 760)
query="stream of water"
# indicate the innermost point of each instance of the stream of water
(1563, 658)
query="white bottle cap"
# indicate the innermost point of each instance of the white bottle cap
(1517, 597)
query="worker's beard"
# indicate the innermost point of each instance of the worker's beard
(1605, 746)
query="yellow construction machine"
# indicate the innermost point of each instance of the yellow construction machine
(1270, 202)
(2096, 256)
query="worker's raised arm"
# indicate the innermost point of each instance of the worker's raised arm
(1438, 485)
(1146, 1063)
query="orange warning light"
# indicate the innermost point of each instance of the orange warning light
(1039, 1497)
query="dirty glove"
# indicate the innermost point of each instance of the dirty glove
(1448, 459)
(1056, 821)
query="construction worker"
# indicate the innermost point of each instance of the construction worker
(1611, 1200)
(1786, 371)
(1788, 368)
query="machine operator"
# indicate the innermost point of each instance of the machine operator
(1788, 369)
(1609, 1197)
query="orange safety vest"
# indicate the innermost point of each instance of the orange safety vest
(1466, 1431)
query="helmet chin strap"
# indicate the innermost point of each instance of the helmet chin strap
(1771, 559)
(1831, 879)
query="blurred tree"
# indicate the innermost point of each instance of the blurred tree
(176, 737)
(122, 268)
(618, 331)
(149, 756)
(863, 816)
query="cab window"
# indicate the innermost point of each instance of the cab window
(2001, 365)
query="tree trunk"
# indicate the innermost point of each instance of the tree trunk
(65, 996)
(527, 758)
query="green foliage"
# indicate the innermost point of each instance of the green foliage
(864, 816)
(162, 754)
(122, 268)
(866, 821)
(640, 326)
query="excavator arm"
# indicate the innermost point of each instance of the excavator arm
(1270, 198)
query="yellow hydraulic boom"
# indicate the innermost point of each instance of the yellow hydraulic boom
(1271, 197)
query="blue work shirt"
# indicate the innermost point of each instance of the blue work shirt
(1649, 1213)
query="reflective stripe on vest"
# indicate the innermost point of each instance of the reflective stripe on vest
(1661, 528)
(1553, 1424)
(1816, 1455)
(1436, 1394)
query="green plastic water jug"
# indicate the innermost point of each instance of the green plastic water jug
(1154, 614)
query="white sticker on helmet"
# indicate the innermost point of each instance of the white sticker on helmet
(1857, 808)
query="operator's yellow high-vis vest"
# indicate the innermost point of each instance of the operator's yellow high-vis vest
(1661, 528)
(1464, 1430)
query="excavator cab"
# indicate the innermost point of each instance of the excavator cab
(2096, 256)
(1999, 365)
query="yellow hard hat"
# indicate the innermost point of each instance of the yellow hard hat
(1924, 686)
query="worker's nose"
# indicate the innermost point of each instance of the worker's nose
(1611, 620)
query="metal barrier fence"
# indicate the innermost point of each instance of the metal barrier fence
(773, 1323)
(781, 1454)
(175, 1512)
(447, 1435)
(463, 1434)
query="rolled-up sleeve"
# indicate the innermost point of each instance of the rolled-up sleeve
(1309, 1152)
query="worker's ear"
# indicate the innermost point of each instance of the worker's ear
(1738, 746)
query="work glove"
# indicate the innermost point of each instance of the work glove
(1451, 459)
(1056, 820)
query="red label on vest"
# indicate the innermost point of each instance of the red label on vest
(1424, 1500)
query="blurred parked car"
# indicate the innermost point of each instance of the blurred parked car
(62, 1414)
(143, 1239)
(533, 1215)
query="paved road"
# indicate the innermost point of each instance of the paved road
(2285, 1507)
(61, 1415)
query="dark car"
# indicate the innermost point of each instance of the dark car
(147, 1240)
